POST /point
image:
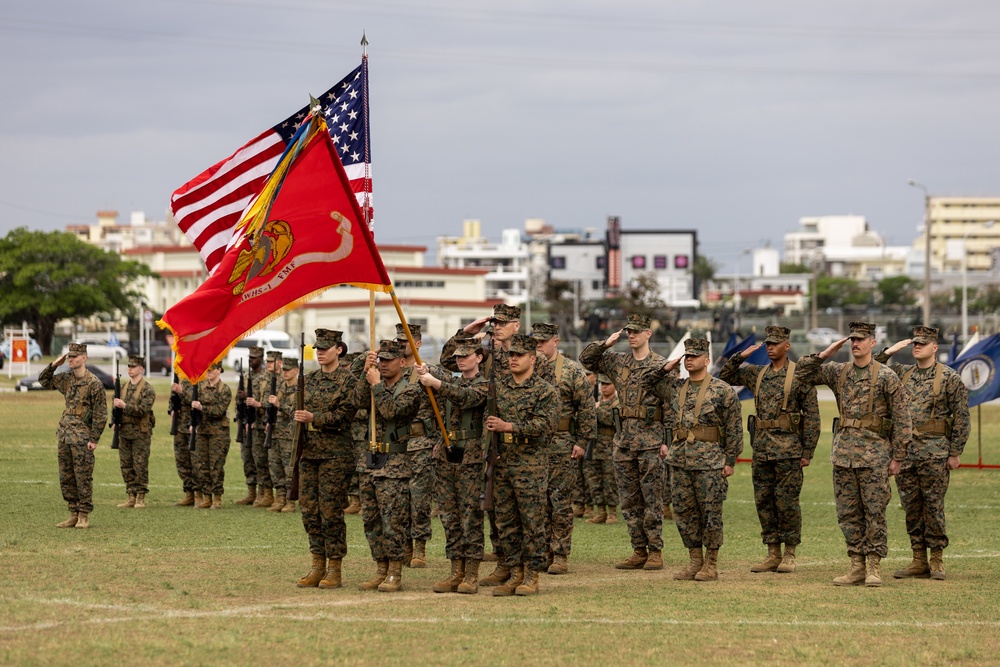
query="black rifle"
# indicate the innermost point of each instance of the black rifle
(174, 410)
(195, 421)
(299, 433)
(251, 413)
(117, 414)
(272, 413)
(493, 449)
(241, 406)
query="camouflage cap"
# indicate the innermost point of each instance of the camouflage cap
(76, 349)
(522, 344)
(544, 330)
(216, 366)
(136, 360)
(255, 351)
(776, 334)
(636, 322)
(414, 331)
(504, 313)
(695, 347)
(288, 363)
(925, 335)
(603, 379)
(327, 338)
(465, 348)
(273, 355)
(862, 330)
(390, 349)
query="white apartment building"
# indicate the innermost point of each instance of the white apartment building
(506, 265)
(825, 232)
(107, 234)
(960, 226)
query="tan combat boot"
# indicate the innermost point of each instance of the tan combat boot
(508, 587)
(70, 522)
(216, 502)
(197, 499)
(654, 561)
(498, 576)
(82, 520)
(635, 561)
(612, 515)
(249, 498)
(873, 576)
(559, 565)
(186, 501)
(588, 512)
(206, 501)
(419, 558)
(279, 502)
(771, 562)
(490, 557)
(693, 568)
(450, 585)
(788, 560)
(709, 570)
(917, 568)
(667, 514)
(856, 576)
(530, 585)
(937, 564)
(381, 573)
(265, 500)
(289, 506)
(470, 585)
(601, 516)
(577, 511)
(140, 500)
(408, 555)
(128, 503)
(332, 578)
(353, 505)
(394, 579)
(316, 574)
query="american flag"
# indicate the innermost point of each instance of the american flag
(208, 207)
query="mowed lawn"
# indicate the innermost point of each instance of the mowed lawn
(169, 586)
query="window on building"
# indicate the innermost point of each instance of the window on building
(681, 261)
(419, 321)
(602, 262)
(557, 262)
(638, 261)
(659, 262)
(597, 284)
(356, 325)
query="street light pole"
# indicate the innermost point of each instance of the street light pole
(927, 250)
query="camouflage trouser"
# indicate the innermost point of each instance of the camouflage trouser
(519, 500)
(862, 495)
(133, 455)
(209, 460)
(182, 459)
(600, 476)
(279, 459)
(922, 488)
(385, 512)
(640, 488)
(456, 491)
(697, 497)
(582, 493)
(562, 472)
(776, 489)
(353, 488)
(76, 475)
(421, 492)
(322, 495)
(668, 477)
(246, 455)
(495, 543)
(260, 459)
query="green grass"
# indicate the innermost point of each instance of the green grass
(166, 585)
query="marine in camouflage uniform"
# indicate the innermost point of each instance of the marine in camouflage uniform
(327, 460)
(261, 382)
(707, 439)
(598, 468)
(182, 440)
(785, 432)
(212, 439)
(359, 431)
(281, 439)
(136, 432)
(576, 428)
(275, 465)
(640, 440)
(256, 372)
(385, 506)
(458, 476)
(939, 408)
(869, 446)
(80, 429)
(526, 415)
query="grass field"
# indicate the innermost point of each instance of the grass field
(166, 585)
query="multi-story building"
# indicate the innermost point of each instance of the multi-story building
(960, 226)
(505, 264)
(107, 234)
(818, 234)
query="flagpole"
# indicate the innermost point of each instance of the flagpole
(368, 224)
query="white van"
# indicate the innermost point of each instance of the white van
(265, 338)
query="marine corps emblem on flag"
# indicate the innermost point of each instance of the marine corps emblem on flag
(264, 255)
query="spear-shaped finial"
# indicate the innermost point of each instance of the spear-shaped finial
(314, 104)
(364, 43)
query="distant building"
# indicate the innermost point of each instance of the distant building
(505, 264)
(960, 226)
(107, 234)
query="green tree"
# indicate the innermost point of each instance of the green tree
(49, 276)
(898, 291)
(838, 292)
(786, 267)
(703, 271)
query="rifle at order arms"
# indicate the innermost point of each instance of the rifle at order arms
(241, 406)
(493, 449)
(174, 409)
(272, 413)
(195, 421)
(117, 414)
(299, 433)
(251, 413)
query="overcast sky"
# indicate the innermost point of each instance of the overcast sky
(734, 118)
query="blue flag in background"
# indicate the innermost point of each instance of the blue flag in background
(953, 352)
(978, 368)
(759, 357)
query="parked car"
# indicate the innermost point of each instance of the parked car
(269, 340)
(100, 349)
(823, 336)
(34, 350)
(31, 383)
(160, 356)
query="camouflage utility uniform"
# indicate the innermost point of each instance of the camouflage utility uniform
(261, 390)
(598, 469)
(253, 478)
(284, 428)
(135, 435)
(212, 443)
(182, 441)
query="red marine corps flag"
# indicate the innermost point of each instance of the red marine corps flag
(303, 234)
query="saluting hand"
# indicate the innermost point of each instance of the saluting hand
(672, 364)
(898, 346)
(750, 350)
(832, 350)
(613, 338)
